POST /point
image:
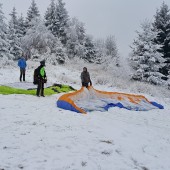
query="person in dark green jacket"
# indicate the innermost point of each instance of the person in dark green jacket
(42, 78)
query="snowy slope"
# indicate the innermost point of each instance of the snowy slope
(36, 135)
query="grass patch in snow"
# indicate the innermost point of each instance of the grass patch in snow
(5, 90)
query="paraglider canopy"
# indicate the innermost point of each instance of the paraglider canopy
(90, 99)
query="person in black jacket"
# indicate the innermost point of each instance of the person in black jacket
(85, 78)
(42, 78)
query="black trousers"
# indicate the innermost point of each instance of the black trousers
(40, 88)
(85, 84)
(22, 74)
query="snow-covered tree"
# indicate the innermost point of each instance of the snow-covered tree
(21, 33)
(90, 53)
(57, 20)
(50, 18)
(4, 44)
(62, 19)
(112, 55)
(40, 40)
(146, 59)
(100, 50)
(80, 30)
(162, 24)
(37, 36)
(107, 52)
(14, 20)
(32, 13)
(13, 35)
(21, 26)
(76, 38)
(58, 54)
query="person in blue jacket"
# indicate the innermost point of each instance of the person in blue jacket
(22, 64)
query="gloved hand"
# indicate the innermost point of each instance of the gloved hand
(90, 83)
(45, 80)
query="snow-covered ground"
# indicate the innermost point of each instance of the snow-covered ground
(36, 135)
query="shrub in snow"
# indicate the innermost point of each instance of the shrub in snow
(102, 80)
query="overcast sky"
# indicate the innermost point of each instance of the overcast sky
(101, 17)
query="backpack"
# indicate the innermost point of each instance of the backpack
(36, 76)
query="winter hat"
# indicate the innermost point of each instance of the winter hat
(85, 68)
(42, 62)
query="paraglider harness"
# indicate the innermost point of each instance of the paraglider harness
(36, 76)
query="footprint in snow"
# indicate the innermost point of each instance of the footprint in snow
(20, 166)
(83, 164)
(106, 152)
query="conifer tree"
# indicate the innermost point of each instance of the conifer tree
(50, 18)
(112, 55)
(4, 44)
(146, 59)
(100, 49)
(21, 26)
(162, 26)
(90, 53)
(32, 13)
(13, 35)
(61, 23)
